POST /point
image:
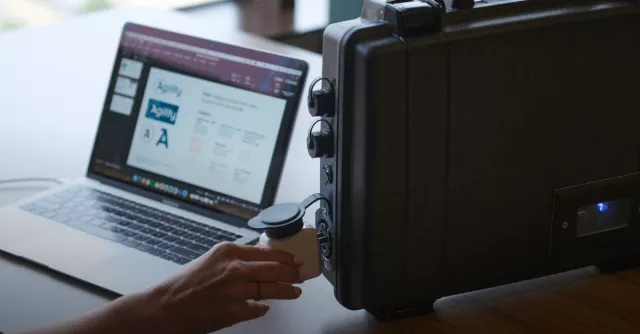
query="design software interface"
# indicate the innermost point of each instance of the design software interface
(197, 120)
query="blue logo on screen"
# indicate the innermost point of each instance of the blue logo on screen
(162, 111)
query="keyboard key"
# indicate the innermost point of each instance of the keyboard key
(225, 238)
(184, 252)
(156, 252)
(214, 229)
(47, 205)
(190, 222)
(112, 219)
(106, 226)
(128, 234)
(28, 207)
(167, 228)
(101, 215)
(147, 230)
(36, 211)
(145, 247)
(199, 248)
(183, 243)
(83, 219)
(201, 240)
(69, 205)
(165, 245)
(63, 210)
(118, 230)
(207, 233)
(92, 211)
(119, 213)
(190, 236)
(170, 238)
(78, 199)
(124, 223)
(181, 260)
(131, 243)
(173, 218)
(48, 214)
(62, 218)
(81, 208)
(169, 256)
(141, 237)
(196, 230)
(95, 222)
(178, 233)
(183, 226)
(210, 242)
(157, 217)
(152, 241)
(138, 212)
(56, 200)
(64, 195)
(159, 235)
(135, 227)
(155, 225)
(107, 209)
(143, 220)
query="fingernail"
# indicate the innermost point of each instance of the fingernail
(298, 291)
(298, 260)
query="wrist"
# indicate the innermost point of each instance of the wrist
(144, 312)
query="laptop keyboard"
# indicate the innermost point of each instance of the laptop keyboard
(134, 225)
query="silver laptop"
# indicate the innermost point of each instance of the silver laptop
(190, 145)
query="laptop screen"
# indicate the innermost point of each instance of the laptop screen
(200, 121)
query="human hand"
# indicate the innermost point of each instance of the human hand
(223, 287)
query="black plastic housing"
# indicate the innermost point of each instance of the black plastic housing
(453, 146)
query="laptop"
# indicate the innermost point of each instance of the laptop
(190, 145)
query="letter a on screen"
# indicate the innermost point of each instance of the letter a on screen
(164, 139)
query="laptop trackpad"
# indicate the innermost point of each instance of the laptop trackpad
(16, 225)
(65, 249)
(130, 272)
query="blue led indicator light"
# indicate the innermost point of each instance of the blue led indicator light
(603, 207)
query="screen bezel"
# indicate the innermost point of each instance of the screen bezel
(279, 154)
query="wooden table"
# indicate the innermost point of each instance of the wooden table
(52, 85)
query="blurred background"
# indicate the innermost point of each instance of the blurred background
(296, 22)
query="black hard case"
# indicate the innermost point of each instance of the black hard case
(452, 148)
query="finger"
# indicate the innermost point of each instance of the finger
(277, 291)
(250, 310)
(270, 272)
(263, 254)
(264, 291)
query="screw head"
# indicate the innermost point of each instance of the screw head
(565, 225)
